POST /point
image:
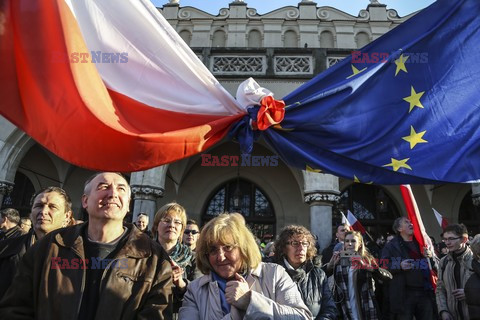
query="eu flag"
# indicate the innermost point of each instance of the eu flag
(412, 118)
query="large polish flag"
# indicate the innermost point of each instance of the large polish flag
(154, 103)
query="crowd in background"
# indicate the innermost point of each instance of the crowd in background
(53, 267)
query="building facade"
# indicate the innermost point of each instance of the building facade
(281, 50)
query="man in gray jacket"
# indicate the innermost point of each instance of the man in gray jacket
(454, 271)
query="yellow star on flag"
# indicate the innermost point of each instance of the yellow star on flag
(400, 62)
(356, 180)
(397, 164)
(308, 168)
(414, 138)
(355, 71)
(414, 99)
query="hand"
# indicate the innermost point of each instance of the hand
(459, 294)
(427, 253)
(238, 293)
(446, 316)
(334, 260)
(406, 264)
(177, 275)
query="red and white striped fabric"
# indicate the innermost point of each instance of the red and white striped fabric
(419, 232)
(354, 223)
(440, 219)
(107, 85)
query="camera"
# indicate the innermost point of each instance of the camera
(346, 258)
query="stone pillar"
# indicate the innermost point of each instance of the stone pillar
(321, 193)
(147, 186)
(5, 189)
(476, 194)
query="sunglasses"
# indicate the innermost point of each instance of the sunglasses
(194, 232)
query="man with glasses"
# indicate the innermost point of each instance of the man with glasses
(455, 269)
(191, 234)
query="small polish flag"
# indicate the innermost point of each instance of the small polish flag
(441, 220)
(356, 225)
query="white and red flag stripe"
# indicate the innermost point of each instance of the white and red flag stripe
(440, 219)
(354, 223)
(419, 232)
(156, 104)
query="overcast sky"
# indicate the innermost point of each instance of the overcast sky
(352, 7)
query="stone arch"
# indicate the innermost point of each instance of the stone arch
(254, 39)
(219, 39)
(290, 39)
(186, 35)
(362, 39)
(327, 40)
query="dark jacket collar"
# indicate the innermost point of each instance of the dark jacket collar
(138, 245)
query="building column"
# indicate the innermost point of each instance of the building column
(321, 193)
(147, 186)
(5, 189)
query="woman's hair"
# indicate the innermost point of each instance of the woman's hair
(286, 234)
(170, 209)
(475, 247)
(227, 229)
(362, 249)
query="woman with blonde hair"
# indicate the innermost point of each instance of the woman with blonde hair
(295, 250)
(236, 283)
(168, 226)
(354, 283)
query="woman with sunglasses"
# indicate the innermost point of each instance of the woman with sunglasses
(236, 284)
(354, 271)
(295, 250)
(168, 227)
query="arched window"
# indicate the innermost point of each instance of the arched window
(21, 195)
(186, 36)
(254, 39)
(219, 39)
(290, 39)
(243, 196)
(362, 39)
(326, 40)
(469, 215)
(371, 205)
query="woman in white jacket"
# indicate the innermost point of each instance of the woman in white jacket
(236, 284)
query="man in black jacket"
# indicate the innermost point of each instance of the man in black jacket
(410, 292)
(9, 224)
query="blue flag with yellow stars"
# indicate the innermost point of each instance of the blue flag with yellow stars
(405, 109)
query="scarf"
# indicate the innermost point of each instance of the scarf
(222, 284)
(182, 255)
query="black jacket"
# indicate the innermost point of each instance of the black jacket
(11, 252)
(472, 289)
(392, 254)
(313, 286)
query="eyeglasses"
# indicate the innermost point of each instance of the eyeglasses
(194, 232)
(214, 250)
(297, 244)
(168, 221)
(350, 241)
(451, 239)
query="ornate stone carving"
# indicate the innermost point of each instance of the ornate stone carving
(392, 15)
(252, 13)
(364, 15)
(184, 14)
(325, 197)
(224, 13)
(333, 60)
(323, 14)
(293, 65)
(293, 14)
(174, 1)
(374, 2)
(6, 187)
(238, 64)
(146, 192)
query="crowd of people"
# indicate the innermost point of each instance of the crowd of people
(57, 268)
